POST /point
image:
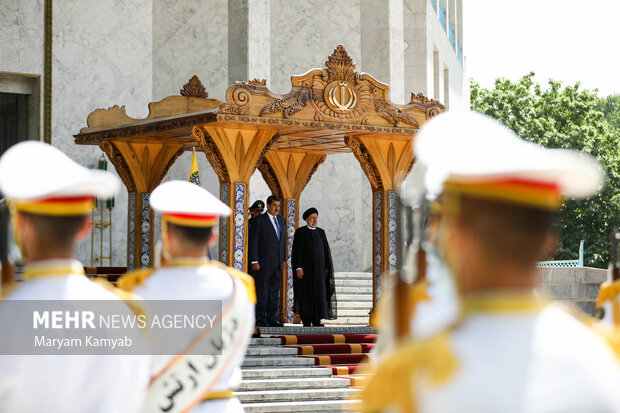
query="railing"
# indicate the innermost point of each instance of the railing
(451, 35)
(565, 263)
(442, 16)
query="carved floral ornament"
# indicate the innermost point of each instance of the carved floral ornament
(194, 88)
(335, 94)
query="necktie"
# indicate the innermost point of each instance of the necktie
(277, 227)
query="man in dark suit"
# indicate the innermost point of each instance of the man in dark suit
(267, 256)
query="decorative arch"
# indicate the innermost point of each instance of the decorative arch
(286, 137)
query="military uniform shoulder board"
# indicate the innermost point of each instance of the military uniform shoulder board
(246, 279)
(132, 279)
(132, 300)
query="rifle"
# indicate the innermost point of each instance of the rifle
(409, 238)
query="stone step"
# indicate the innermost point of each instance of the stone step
(309, 406)
(265, 341)
(269, 351)
(261, 373)
(333, 328)
(353, 290)
(267, 361)
(354, 304)
(353, 283)
(348, 312)
(353, 297)
(294, 384)
(353, 275)
(297, 395)
(357, 321)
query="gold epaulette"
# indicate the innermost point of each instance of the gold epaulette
(132, 300)
(246, 279)
(609, 291)
(392, 385)
(134, 278)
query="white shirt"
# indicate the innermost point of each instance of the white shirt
(538, 361)
(69, 383)
(274, 223)
(204, 282)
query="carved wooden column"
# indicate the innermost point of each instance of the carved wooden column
(234, 152)
(142, 167)
(386, 161)
(287, 174)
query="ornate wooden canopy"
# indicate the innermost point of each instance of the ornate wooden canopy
(285, 136)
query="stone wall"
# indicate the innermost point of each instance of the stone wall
(21, 31)
(574, 286)
(144, 50)
(99, 65)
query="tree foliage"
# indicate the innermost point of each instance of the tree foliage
(610, 106)
(558, 116)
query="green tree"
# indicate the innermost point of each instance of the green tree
(558, 116)
(610, 106)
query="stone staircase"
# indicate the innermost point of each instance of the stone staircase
(286, 378)
(354, 298)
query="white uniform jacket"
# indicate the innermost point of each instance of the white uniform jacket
(68, 383)
(200, 282)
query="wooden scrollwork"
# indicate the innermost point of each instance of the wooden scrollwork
(362, 157)
(210, 152)
(121, 167)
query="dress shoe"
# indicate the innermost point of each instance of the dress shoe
(317, 324)
(275, 323)
(307, 324)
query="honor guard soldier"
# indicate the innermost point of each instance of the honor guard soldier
(255, 210)
(188, 214)
(51, 198)
(510, 351)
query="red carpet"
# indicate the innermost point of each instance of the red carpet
(344, 354)
(328, 339)
(314, 349)
(345, 359)
(344, 370)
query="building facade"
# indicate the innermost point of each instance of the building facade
(61, 60)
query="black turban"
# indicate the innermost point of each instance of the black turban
(309, 212)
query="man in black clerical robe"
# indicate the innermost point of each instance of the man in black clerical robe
(313, 273)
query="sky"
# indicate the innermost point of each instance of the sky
(568, 40)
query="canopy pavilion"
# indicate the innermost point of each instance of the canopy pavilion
(286, 137)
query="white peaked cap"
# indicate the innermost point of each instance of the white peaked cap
(182, 197)
(34, 170)
(472, 147)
